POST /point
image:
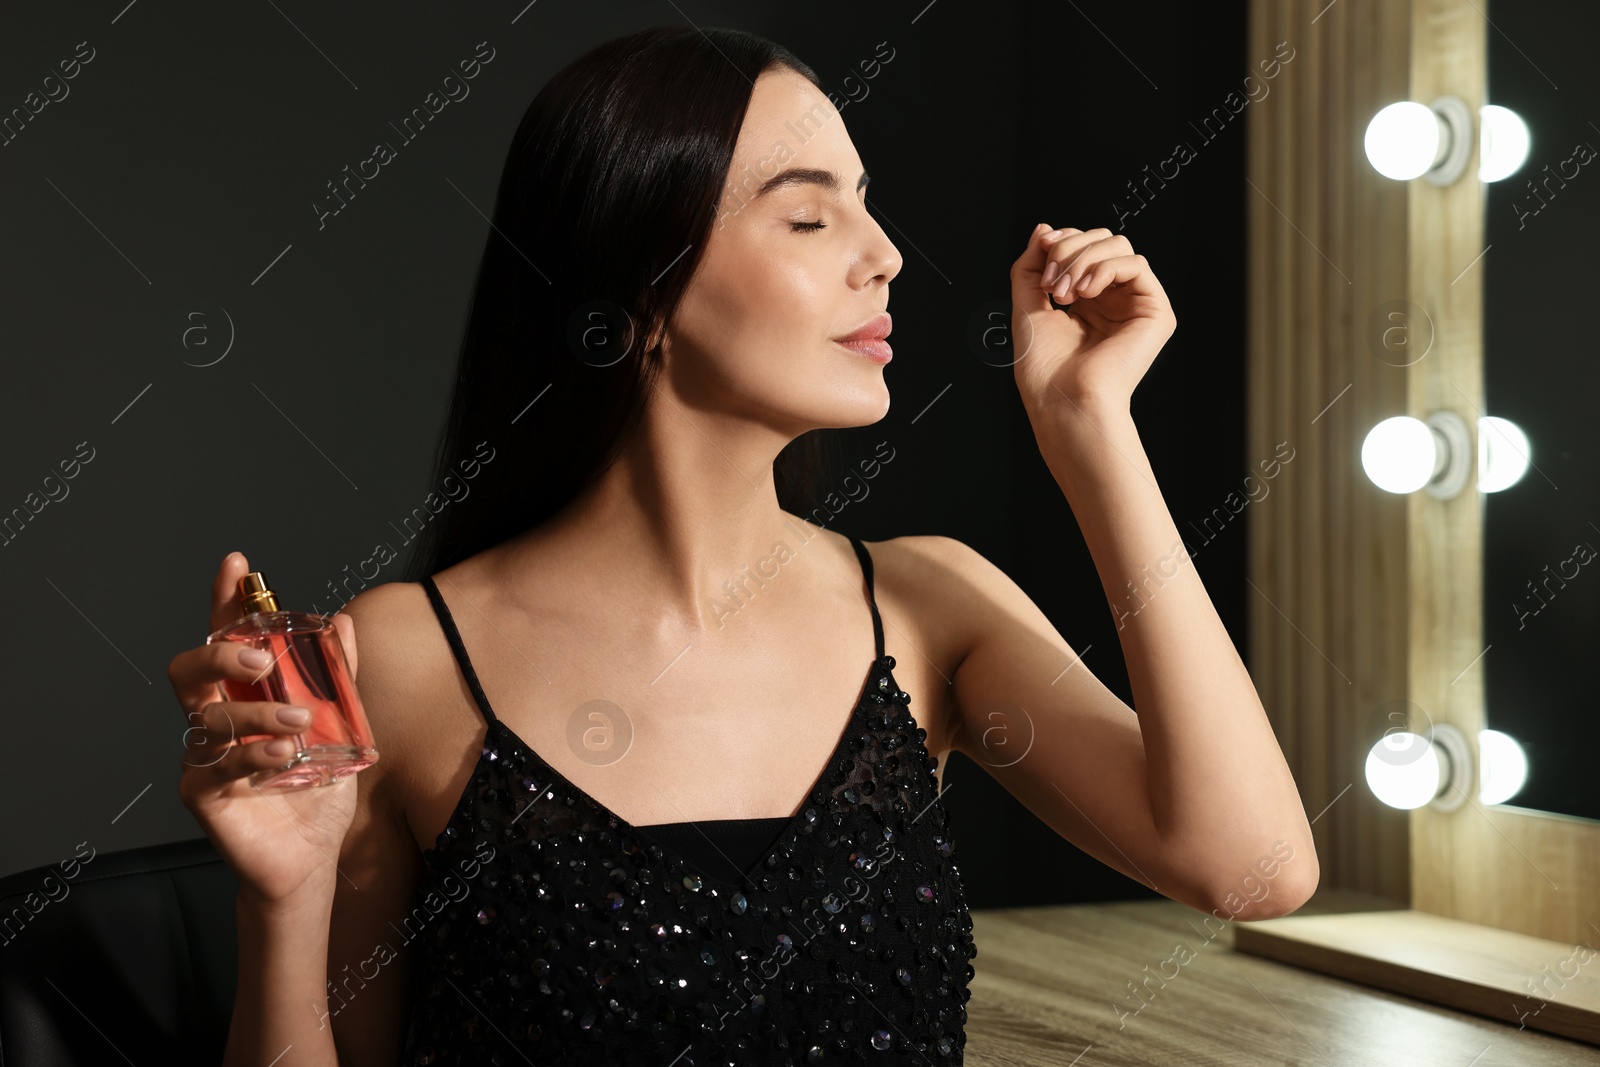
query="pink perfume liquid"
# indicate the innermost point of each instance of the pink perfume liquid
(308, 669)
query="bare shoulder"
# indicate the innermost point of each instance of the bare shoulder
(936, 596)
(393, 624)
(942, 583)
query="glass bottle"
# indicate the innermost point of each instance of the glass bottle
(309, 669)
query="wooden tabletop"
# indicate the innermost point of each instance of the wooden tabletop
(1055, 985)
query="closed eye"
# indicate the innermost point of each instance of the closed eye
(808, 227)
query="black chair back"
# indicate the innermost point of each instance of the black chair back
(119, 957)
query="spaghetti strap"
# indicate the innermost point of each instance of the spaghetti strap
(458, 649)
(566, 865)
(866, 568)
(453, 635)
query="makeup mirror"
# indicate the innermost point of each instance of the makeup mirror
(1541, 535)
(1435, 297)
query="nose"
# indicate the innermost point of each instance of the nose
(882, 258)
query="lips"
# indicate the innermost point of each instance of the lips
(874, 329)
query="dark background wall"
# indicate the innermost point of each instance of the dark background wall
(163, 210)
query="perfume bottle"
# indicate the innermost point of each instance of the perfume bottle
(308, 669)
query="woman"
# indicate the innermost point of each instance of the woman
(657, 842)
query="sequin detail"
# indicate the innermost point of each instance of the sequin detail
(556, 933)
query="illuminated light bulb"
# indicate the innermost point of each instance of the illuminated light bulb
(1502, 767)
(1410, 140)
(1503, 454)
(1403, 770)
(1402, 454)
(1503, 142)
(1399, 454)
(1402, 140)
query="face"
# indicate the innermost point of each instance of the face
(786, 272)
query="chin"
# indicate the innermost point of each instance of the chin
(829, 400)
(861, 409)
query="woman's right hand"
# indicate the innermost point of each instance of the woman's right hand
(283, 844)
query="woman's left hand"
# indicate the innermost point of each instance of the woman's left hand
(1094, 351)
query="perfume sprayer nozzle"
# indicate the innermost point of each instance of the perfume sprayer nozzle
(255, 594)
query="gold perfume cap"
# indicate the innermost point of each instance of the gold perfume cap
(255, 594)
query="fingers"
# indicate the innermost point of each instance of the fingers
(225, 604)
(223, 722)
(1028, 294)
(1070, 256)
(229, 739)
(204, 774)
(238, 736)
(1116, 270)
(195, 672)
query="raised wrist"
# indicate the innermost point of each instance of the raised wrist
(1069, 418)
(313, 902)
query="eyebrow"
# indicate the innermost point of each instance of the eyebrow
(825, 179)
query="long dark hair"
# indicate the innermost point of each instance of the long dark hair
(609, 193)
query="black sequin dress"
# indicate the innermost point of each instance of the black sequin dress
(547, 930)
